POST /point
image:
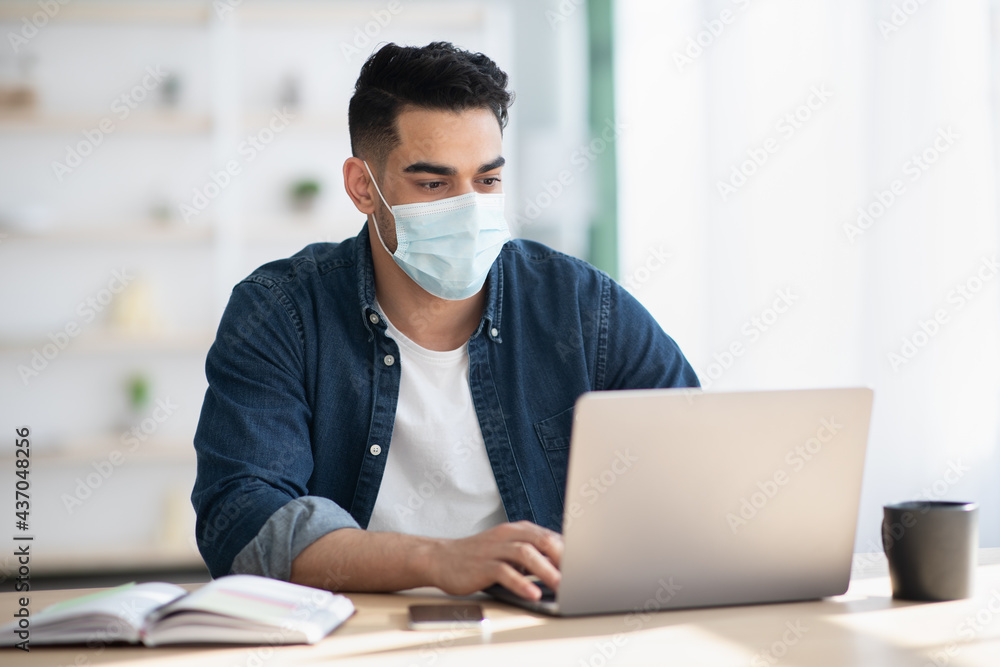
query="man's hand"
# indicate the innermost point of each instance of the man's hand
(351, 559)
(501, 555)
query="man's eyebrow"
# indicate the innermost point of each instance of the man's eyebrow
(443, 170)
(428, 168)
(495, 164)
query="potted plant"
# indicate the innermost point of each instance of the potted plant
(303, 194)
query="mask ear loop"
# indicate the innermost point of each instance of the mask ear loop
(377, 232)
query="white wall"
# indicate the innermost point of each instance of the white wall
(886, 95)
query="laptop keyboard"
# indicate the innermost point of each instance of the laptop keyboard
(505, 594)
(548, 595)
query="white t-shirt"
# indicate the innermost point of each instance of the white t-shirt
(437, 481)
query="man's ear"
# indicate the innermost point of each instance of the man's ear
(357, 183)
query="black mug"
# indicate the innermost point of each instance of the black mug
(931, 547)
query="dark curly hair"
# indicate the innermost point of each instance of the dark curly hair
(436, 76)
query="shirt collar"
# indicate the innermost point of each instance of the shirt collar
(490, 321)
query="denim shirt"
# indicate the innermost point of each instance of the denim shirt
(303, 382)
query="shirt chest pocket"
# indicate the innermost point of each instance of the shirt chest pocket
(553, 433)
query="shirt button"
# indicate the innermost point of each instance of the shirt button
(494, 332)
(389, 360)
(373, 318)
(375, 450)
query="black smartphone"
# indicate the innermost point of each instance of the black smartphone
(446, 616)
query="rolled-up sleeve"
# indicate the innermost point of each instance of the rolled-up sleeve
(253, 441)
(287, 533)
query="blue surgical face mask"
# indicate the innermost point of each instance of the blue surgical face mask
(448, 246)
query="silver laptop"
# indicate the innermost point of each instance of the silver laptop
(680, 498)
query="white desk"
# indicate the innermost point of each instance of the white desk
(863, 627)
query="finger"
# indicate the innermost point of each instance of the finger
(550, 543)
(546, 541)
(517, 583)
(526, 555)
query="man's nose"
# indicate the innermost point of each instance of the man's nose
(465, 187)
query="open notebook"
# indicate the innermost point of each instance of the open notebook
(238, 609)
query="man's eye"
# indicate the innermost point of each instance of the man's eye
(491, 181)
(434, 185)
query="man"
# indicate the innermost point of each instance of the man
(394, 410)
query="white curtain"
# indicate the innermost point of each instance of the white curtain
(821, 177)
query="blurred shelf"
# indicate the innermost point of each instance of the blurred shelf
(85, 452)
(295, 228)
(111, 342)
(332, 122)
(439, 15)
(140, 233)
(114, 12)
(162, 122)
(125, 558)
(304, 229)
